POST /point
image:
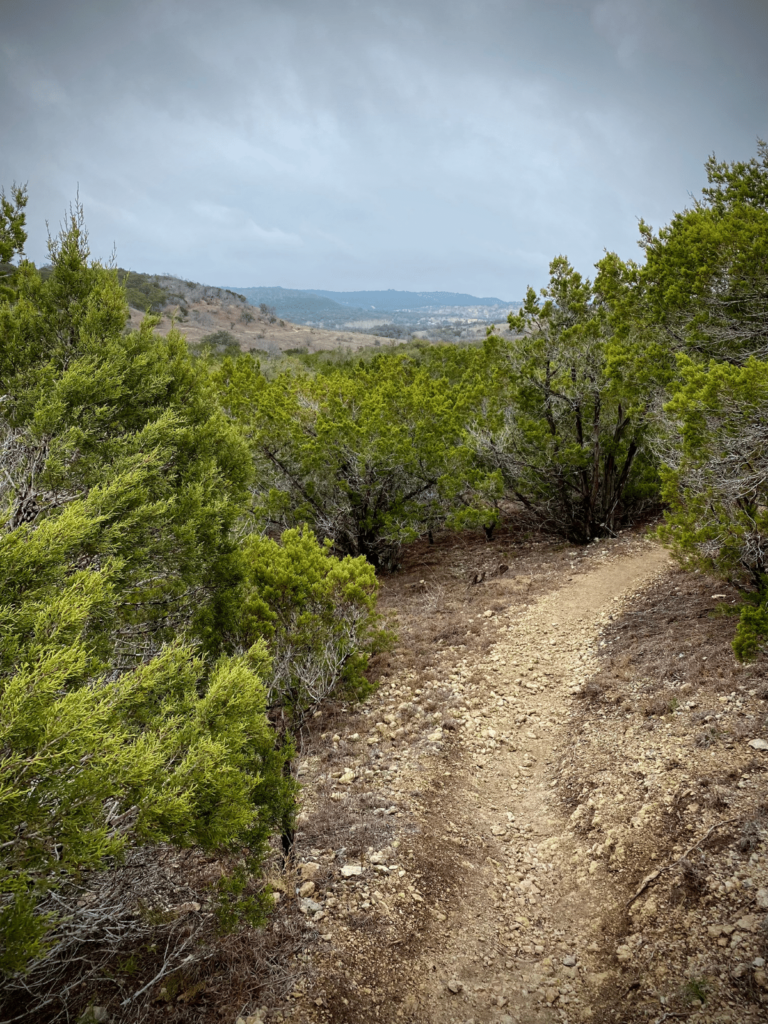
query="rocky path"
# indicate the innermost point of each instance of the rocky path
(525, 941)
(473, 837)
(472, 897)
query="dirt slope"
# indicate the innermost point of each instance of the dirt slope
(472, 840)
(253, 330)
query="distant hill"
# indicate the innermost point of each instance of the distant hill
(392, 300)
(337, 309)
(296, 305)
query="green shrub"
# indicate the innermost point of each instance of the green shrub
(317, 615)
(565, 431)
(142, 291)
(177, 750)
(121, 722)
(705, 284)
(715, 483)
(359, 453)
(218, 344)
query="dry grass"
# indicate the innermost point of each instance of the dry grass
(150, 950)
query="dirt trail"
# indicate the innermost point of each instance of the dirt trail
(523, 943)
(547, 733)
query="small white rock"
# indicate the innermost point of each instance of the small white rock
(309, 907)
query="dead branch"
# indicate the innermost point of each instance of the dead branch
(649, 879)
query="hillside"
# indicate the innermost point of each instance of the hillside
(199, 311)
(421, 687)
(552, 807)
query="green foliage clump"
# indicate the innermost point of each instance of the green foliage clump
(317, 614)
(706, 274)
(714, 481)
(564, 430)
(706, 284)
(150, 644)
(142, 291)
(359, 453)
(12, 234)
(215, 345)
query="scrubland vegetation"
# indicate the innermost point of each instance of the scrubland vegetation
(190, 541)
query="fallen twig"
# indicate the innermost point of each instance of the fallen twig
(668, 867)
(170, 964)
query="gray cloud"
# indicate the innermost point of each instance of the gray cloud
(420, 144)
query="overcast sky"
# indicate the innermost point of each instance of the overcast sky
(346, 144)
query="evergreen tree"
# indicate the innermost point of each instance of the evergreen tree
(360, 453)
(705, 283)
(563, 428)
(705, 278)
(13, 235)
(148, 642)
